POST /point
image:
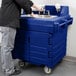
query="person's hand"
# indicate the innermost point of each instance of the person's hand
(40, 9)
(33, 15)
(37, 8)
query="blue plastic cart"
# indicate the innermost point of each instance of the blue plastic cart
(42, 41)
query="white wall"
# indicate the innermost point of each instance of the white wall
(42, 2)
(71, 39)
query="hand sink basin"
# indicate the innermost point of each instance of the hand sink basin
(40, 16)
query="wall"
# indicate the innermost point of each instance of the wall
(71, 44)
(42, 2)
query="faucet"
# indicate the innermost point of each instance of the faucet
(44, 11)
(48, 12)
(39, 12)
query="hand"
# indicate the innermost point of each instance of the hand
(34, 15)
(40, 9)
(37, 8)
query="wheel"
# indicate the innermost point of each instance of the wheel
(21, 63)
(47, 70)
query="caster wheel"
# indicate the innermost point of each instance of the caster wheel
(21, 63)
(47, 70)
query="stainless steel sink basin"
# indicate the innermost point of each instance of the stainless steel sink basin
(40, 16)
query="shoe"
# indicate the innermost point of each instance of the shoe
(16, 72)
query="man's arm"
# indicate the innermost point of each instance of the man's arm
(26, 5)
